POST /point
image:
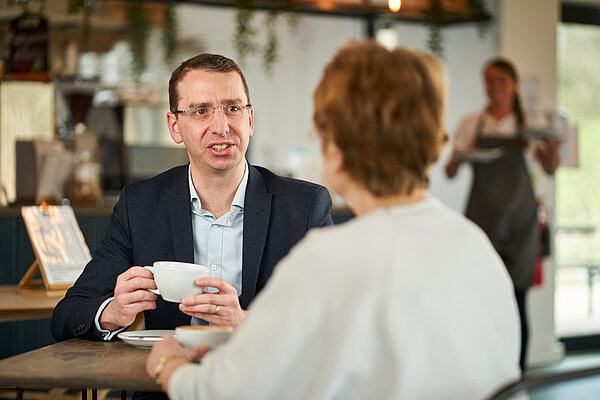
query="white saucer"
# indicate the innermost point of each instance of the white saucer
(144, 339)
(544, 134)
(481, 155)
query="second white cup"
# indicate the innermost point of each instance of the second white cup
(212, 335)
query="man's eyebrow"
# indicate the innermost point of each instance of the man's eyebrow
(194, 106)
(232, 101)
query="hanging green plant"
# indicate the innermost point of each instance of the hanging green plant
(245, 41)
(245, 32)
(481, 16)
(435, 40)
(138, 20)
(271, 48)
(293, 18)
(170, 34)
(437, 20)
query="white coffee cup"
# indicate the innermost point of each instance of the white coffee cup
(195, 335)
(175, 280)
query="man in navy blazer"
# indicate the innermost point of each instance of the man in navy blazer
(161, 218)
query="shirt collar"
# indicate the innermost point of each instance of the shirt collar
(238, 199)
(240, 195)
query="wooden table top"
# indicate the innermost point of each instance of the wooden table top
(15, 306)
(79, 364)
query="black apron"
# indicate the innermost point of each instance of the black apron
(503, 204)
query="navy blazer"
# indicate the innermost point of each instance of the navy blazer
(152, 221)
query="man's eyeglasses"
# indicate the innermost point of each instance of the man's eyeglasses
(205, 113)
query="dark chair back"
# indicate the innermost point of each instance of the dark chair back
(581, 384)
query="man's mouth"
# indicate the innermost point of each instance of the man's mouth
(219, 147)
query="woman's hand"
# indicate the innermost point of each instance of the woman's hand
(171, 355)
(452, 165)
(548, 155)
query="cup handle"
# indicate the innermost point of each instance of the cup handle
(151, 269)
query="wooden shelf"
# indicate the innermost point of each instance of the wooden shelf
(411, 11)
(109, 17)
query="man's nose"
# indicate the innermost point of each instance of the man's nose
(218, 122)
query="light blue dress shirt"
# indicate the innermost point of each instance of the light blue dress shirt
(218, 241)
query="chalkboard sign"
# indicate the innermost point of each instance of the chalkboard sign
(28, 42)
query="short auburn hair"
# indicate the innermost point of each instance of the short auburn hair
(385, 111)
(204, 62)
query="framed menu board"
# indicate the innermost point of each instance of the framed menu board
(59, 247)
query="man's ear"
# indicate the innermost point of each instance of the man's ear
(251, 122)
(173, 125)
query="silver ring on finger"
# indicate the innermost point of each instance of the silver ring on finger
(217, 309)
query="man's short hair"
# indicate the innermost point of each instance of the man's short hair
(204, 62)
(385, 111)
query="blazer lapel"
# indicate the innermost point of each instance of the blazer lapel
(180, 217)
(257, 210)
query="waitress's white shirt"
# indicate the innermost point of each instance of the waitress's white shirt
(410, 302)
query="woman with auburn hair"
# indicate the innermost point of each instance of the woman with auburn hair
(407, 301)
(502, 199)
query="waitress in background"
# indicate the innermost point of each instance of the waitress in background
(502, 200)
